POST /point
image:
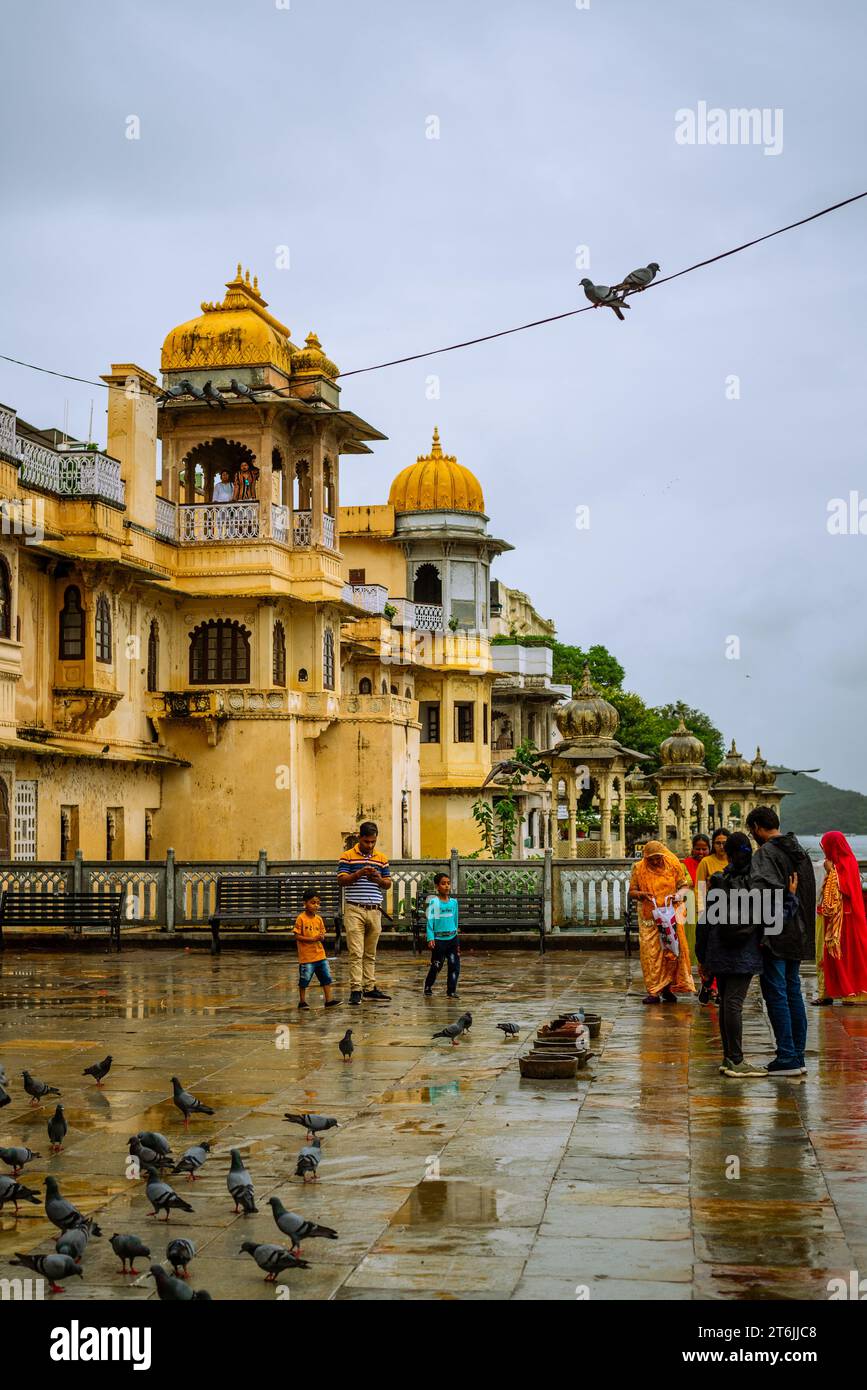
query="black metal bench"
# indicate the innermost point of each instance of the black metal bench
(254, 898)
(74, 912)
(486, 911)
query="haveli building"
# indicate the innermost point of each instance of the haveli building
(262, 671)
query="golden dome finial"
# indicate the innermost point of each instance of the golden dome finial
(436, 482)
(247, 276)
(436, 448)
(238, 272)
(256, 283)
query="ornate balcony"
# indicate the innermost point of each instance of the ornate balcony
(371, 597)
(424, 617)
(167, 519)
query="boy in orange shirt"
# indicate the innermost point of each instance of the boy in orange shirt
(309, 937)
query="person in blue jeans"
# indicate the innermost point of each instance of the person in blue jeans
(442, 936)
(781, 864)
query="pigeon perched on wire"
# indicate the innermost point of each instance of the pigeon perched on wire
(16, 1158)
(62, 1213)
(172, 1290)
(37, 1090)
(240, 389)
(454, 1030)
(604, 296)
(162, 1197)
(51, 1267)
(128, 1248)
(74, 1242)
(314, 1124)
(639, 279)
(57, 1130)
(13, 1191)
(187, 1103)
(272, 1258)
(191, 1161)
(346, 1045)
(510, 1030)
(308, 1161)
(179, 1253)
(171, 393)
(98, 1070)
(296, 1228)
(214, 396)
(240, 1186)
(195, 391)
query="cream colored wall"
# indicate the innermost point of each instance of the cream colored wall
(383, 562)
(92, 787)
(447, 824)
(363, 765)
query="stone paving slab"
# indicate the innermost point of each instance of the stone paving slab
(650, 1177)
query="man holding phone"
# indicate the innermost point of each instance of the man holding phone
(364, 876)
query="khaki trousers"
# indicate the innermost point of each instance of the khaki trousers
(363, 927)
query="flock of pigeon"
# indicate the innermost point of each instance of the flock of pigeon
(209, 393)
(613, 296)
(153, 1155)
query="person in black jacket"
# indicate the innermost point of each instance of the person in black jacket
(778, 859)
(728, 945)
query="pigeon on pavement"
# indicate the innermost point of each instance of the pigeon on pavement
(240, 1186)
(179, 1253)
(639, 279)
(604, 295)
(308, 1161)
(74, 1242)
(62, 1213)
(187, 1103)
(192, 1159)
(314, 1124)
(453, 1030)
(5, 1098)
(127, 1248)
(15, 1192)
(98, 1070)
(510, 1030)
(152, 1139)
(147, 1156)
(296, 1228)
(51, 1267)
(57, 1130)
(161, 1196)
(37, 1090)
(17, 1157)
(272, 1258)
(172, 1290)
(346, 1045)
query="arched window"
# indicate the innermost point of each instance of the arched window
(279, 672)
(428, 585)
(72, 626)
(219, 651)
(328, 659)
(5, 600)
(365, 686)
(154, 656)
(103, 630)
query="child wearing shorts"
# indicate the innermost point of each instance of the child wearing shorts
(310, 939)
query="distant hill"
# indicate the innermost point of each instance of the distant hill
(816, 807)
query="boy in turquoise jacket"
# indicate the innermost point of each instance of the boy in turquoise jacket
(442, 936)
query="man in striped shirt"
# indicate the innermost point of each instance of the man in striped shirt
(364, 875)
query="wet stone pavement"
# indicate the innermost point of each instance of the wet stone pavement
(652, 1177)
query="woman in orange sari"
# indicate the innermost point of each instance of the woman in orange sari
(841, 932)
(657, 876)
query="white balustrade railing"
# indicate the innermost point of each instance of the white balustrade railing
(7, 430)
(167, 519)
(69, 473)
(302, 528)
(328, 531)
(97, 475)
(428, 617)
(371, 597)
(203, 523)
(279, 522)
(40, 466)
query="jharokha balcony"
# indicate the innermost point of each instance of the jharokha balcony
(213, 523)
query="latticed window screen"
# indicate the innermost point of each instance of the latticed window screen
(328, 659)
(25, 820)
(279, 654)
(219, 651)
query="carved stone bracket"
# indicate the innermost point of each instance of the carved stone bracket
(77, 710)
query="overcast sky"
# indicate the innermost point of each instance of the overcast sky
(306, 127)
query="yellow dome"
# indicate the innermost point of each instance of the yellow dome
(436, 482)
(236, 333)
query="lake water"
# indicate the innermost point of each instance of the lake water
(814, 849)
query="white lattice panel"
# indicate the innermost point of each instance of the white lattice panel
(25, 821)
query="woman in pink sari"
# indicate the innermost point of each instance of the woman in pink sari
(841, 934)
